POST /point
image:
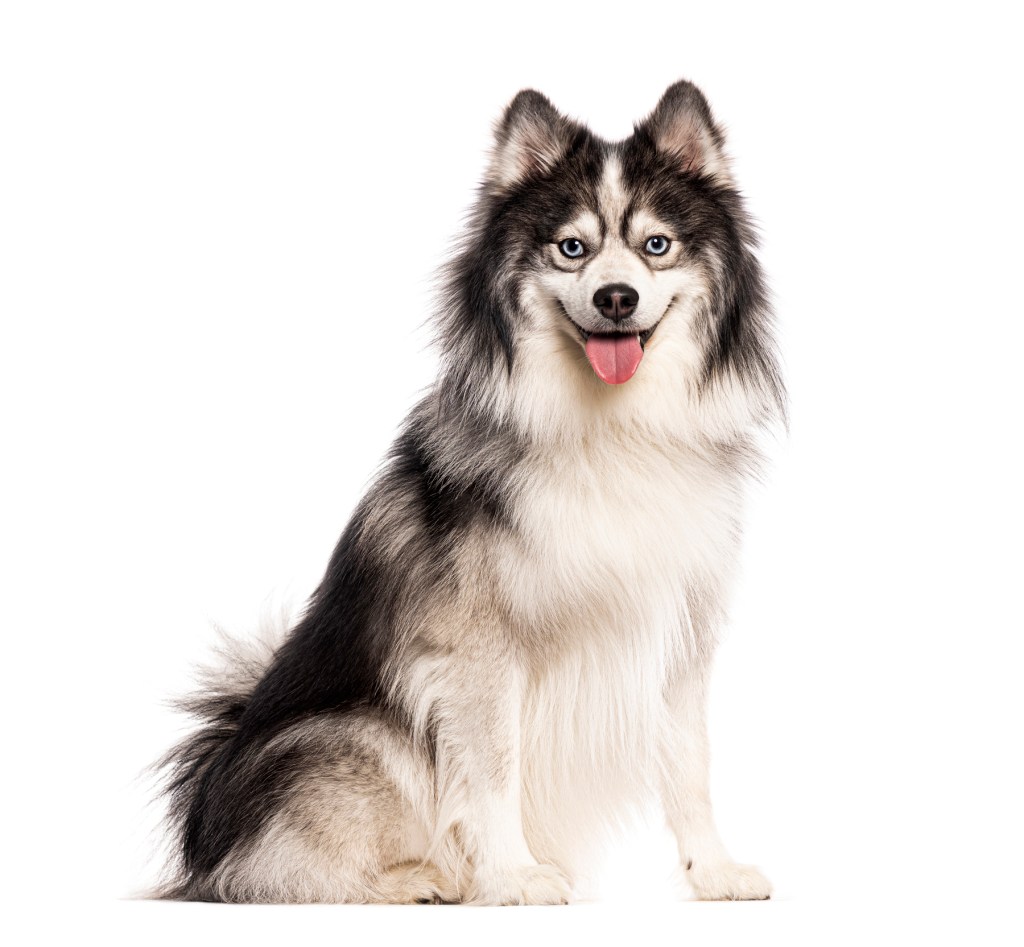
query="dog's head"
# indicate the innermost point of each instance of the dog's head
(601, 274)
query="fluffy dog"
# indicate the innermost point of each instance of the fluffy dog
(510, 646)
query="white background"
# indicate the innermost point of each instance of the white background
(218, 229)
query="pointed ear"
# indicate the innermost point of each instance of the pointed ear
(683, 128)
(529, 140)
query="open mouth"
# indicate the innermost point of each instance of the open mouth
(614, 356)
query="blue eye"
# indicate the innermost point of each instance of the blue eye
(657, 245)
(571, 248)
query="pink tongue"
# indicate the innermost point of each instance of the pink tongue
(614, 357)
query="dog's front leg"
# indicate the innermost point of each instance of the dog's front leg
(713, 875)
(476, 710)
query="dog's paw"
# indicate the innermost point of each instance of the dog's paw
(727, 881)
(529, 884)
(415, 883)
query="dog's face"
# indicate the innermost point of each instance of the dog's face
(616, 257)
(608, 271)
(615, 272)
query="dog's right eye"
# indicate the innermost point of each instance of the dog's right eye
(572, 248)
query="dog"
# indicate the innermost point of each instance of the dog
(510, 647)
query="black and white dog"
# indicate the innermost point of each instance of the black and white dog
(510, 646)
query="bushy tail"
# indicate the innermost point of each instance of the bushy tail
(225, 685)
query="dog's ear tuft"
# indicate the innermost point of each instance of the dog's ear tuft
(683, 127)
(529, 140)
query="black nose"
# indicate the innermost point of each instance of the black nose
(616, 301)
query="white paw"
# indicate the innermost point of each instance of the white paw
(415, 883)
(529, 884)
(727, 881)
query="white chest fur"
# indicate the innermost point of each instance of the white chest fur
(620, 526)
(611, 540)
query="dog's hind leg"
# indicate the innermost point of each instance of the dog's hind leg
(350, 827)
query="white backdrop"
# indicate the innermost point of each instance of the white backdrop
(218, 228)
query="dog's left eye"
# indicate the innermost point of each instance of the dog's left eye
(657, 245)
(571, 248)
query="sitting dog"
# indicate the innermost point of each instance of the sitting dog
(510, 647)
